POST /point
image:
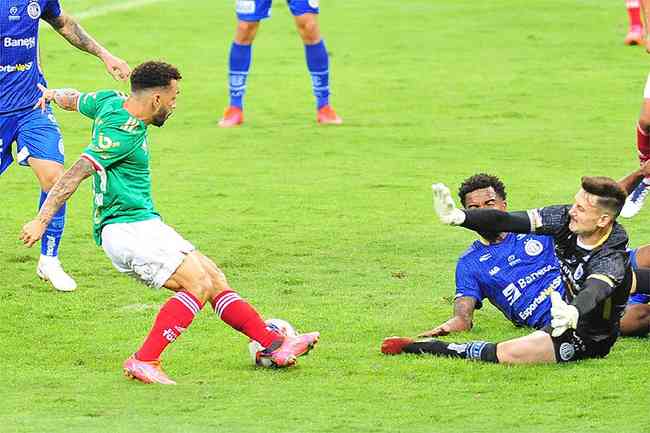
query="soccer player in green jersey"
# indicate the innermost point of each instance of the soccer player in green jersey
(129, 229)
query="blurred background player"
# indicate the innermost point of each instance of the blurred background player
(36, 132)
(637, 198)
(517, 272)
(130, 230)
(635, 34)
(249, 15)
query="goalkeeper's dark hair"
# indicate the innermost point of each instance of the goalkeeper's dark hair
(153, 74)
(610, 196)
(480, 181)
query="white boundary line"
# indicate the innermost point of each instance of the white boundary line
(109, 9)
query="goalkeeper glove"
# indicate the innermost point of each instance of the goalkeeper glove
(444, 206)
(564, 316)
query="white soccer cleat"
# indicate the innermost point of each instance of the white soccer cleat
(635, 200)
(49, 269)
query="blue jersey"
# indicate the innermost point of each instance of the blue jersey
(20, 71)
(517, 275)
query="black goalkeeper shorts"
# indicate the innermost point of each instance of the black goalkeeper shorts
(574, 346)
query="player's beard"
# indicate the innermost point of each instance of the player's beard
(160, 117)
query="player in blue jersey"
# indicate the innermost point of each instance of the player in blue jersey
(594, 265)
(36, 132)
(249, 14)
(516, 273)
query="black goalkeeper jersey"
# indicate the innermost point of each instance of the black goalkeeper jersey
(608, 261)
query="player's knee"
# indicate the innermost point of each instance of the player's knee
(246, 32)
(309, 31)
(202, 287)
(644, 121)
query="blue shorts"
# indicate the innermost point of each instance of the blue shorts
(256, 10)
(636, 298)
(36, 134)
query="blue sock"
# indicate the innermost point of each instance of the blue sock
(240, 63)
(53, 232)
(318, 65)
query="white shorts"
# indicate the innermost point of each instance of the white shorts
(149, 251)
(646, 90)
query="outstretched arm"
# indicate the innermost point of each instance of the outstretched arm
(462, 321)
(629, 182)
(478, 219)
(67, 99)
(59, 194)
(72, 31)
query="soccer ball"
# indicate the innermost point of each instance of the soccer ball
(255, 349)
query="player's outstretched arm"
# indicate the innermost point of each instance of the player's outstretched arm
(72, 31)
(490, 220)
(67, 99)
(462, 321)
(629, 182)
(59, 194)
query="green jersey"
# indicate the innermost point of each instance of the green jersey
(118, 151)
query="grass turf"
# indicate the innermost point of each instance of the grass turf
(330, 228)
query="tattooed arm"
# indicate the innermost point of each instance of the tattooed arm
(70, 29)
(462, 321)
(68, 99)
(58, 195)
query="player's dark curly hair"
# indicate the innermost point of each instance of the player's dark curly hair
(480, 181)
(153, 74)
(611, 196)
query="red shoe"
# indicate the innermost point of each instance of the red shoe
(395, 345)
(146, 371)
(292, 348)
(327, 116)
(232, 116)
(634, 36)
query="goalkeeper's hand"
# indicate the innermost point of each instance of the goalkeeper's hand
(564, 316)
(444, 206)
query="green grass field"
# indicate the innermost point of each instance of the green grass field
(330, 228)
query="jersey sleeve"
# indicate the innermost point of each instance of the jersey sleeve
(609, 264)
(52, 9)
(109, 145)
(467, 284)
(549, 220)
(89, 103)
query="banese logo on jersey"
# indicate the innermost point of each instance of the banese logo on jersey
(16, 43)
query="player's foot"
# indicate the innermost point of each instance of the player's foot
(146, 371)
(49, 269)
(635, 200)
(293, 347)
(395, 345)
(634, 36)
(232, 116)
(327, 116)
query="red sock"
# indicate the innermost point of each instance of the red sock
(173, 318)
(642, 144)
(634, 12)
(239, 314)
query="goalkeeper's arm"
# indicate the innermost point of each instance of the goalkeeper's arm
(491, 220)
(497, 221)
